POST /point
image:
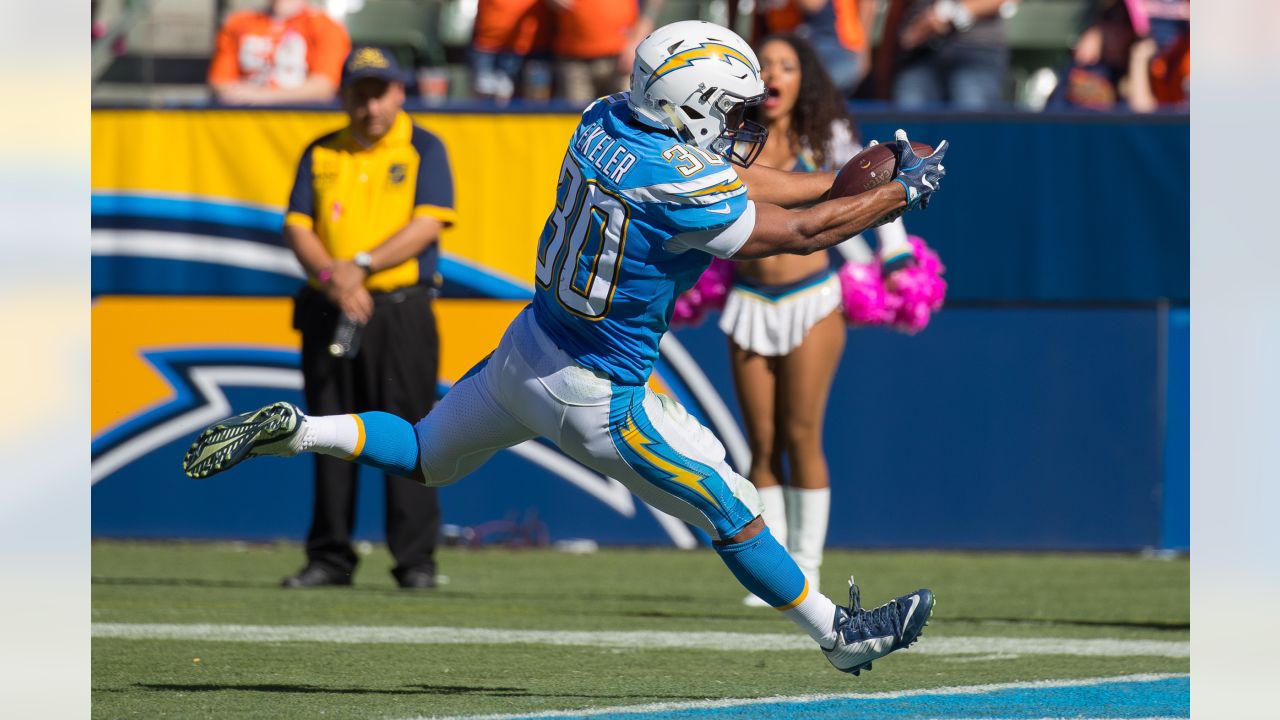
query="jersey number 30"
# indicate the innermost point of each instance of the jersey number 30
(581, 252)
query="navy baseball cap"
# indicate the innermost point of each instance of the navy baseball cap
(371, 62)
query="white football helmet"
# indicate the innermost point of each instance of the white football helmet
(697, 79)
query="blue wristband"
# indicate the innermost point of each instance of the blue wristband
(911, 204)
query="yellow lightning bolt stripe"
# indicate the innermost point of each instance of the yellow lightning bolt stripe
(639, 443)
(705, 51)
(727, 186)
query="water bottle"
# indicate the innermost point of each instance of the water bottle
(346, 337)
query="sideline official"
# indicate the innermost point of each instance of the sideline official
(365, 216)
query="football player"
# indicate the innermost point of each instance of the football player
(654, 183)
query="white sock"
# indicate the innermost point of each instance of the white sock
(816, 615)
(807, 515)
(336, 435)
(774, 513)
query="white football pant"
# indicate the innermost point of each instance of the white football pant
(529, 387)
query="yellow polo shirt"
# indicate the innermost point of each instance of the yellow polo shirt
(355, 197)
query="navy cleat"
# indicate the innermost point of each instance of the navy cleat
(273, 430)
(866, 635)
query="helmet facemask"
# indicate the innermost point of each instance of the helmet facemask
(740, 140)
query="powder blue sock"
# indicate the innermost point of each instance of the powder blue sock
(763, 566)
(390, 443)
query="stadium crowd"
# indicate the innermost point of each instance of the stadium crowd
(963, 54)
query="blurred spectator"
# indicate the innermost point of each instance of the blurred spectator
(1165, 21)
(1135, 53)
(649, 10)
(1170, 69)
(837, 30)
(947, 52)
(289, 52)
(365, 216)
(511, 48)
(99, 29)
(595, 43)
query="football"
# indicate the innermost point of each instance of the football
(870, 168)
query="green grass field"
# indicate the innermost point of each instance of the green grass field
(992, 596)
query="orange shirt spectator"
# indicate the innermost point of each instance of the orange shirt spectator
(1171, 73)
(522, 27)
(595, 43)
(290, 53)
(786, 16)
(1168, 24)
(588, 29)
(835, 28)
(510, 42)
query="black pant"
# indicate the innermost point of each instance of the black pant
(394, 371)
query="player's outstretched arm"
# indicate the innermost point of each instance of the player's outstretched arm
(785, 189)
(801, 232)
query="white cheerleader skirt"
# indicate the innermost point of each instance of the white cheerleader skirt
(773, 320)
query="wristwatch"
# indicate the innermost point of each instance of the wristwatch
(364, 261)
(956, 13)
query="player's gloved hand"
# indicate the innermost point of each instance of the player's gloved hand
(919, 176)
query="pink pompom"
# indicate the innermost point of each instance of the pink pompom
(708, 293)
(688, 310)
(863, 294)
(714, 284)
(918, 290)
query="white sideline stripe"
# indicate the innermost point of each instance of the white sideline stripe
(740, 642)
(1095, 647)
(891, 695)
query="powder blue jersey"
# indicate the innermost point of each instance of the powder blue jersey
(638, 215)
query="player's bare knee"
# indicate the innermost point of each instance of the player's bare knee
(752, 529)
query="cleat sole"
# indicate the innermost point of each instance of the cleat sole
(235, 438)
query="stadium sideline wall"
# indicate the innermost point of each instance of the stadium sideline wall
(1046, 407)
